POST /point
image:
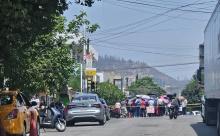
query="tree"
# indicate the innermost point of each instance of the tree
(21, 22)
(109, 92)
(192, 92)
(86, 2)
(47, 63)
(145, 86)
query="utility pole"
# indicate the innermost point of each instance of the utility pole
(84, 53)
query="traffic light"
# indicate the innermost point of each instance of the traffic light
(93, 86)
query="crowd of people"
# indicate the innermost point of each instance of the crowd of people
(143, 105)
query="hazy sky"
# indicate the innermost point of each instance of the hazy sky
(150, 31)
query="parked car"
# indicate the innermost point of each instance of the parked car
(16, 113)
(107, 109)
(86, 107)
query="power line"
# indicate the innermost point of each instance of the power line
(147, 47)
(173, 2)
(158, 6)
(119, 34)
(141, 22)
(155, 66)
(148, 18)
(176, 4)
(141, 11)
(148, 52)
(153, 44)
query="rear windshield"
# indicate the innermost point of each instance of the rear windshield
(5, 99)
(85, 98)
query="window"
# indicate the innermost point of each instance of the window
(20, 101)
(27, 103)
(6, 99)
(85, 98)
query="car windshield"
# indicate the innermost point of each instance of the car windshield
(5, 99)
(84, 98)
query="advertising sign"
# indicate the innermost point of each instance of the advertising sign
(90, 71)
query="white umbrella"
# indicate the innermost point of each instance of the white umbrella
(145, 97)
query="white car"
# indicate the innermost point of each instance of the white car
(196, 113)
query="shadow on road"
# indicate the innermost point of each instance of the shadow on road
(202, 130)
(82, 125)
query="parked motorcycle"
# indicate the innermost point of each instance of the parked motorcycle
(115, 113)
(52, 117)
(173, 112)
(124, 112)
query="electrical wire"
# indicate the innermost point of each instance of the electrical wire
(143, 45)
(154, 66)
(144, 11)
(175, 4)
(148, 52)
(169, 1)
(139, 10)
(158, 6)
(120, 34)
(148, 18)
(133, 26)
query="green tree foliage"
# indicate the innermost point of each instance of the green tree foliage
(109, 92)
(86, 2)
(145, 86)
(192, 92)
(46, 63)
(21, 22)
(74, 82)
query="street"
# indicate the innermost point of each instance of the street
(154, 126)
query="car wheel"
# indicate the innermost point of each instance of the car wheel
(108, 117)
(102, 122)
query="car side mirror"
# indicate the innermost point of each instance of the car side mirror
(33, 103)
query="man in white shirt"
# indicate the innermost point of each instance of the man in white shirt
(184, 104)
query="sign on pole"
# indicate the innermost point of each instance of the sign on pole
(90, 71)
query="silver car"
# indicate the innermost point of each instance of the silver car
(86, 108)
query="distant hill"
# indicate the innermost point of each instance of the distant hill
(115, 67)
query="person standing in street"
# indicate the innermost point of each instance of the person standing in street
(143, 108)
(138, 105)
(184, 104)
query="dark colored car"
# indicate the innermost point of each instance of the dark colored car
(107, 109)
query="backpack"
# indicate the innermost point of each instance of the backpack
(138, 102)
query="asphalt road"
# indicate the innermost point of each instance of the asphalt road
(154, 126)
